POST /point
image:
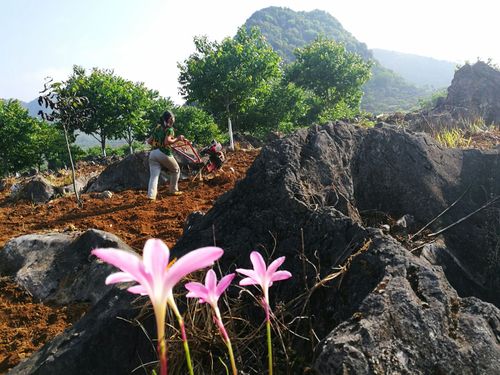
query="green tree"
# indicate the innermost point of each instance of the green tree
(332, 73)
(284, 109)
(197, 125)
(51, 145)
(105, 97)
(18, 133)
(120, 108)
(139, 109)
(67, 110)
(225, 78)
(28, 142)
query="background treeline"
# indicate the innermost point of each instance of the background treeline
(290, 70)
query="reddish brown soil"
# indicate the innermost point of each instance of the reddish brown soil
(25, 325)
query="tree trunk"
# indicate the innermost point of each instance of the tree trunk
(130, 141)
(230, 129)
(103, 145)
(73, 174)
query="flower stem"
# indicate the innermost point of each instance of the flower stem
(225, 338)
(231, 357)
(186, 346)
(162, 345)
(268, 328)
(180, 320)
(269, 348)
(162, 353)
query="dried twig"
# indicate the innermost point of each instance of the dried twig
(441, 214)
(489, 203)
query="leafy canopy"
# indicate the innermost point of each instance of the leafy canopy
(18, 137)
(197, 125)
(119, 108)
(225, 78)
(332, 73)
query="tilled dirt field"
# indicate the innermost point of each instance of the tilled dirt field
(26, 325)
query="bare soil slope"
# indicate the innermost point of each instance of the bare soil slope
(26, 325)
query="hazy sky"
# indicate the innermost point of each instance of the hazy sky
(142, 40)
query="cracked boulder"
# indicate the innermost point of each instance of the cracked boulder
(58, 267)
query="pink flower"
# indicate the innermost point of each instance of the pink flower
(262, 275)
(152, 272)
(156, 278)
(211, 291)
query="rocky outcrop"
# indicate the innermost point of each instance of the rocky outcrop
(348, 170)
(412, 322)
(130, 173)
(376, 305)
(105, 341)
(474, 93)
(309, 193)
(58, 267)
(473, 99)
(36, 190)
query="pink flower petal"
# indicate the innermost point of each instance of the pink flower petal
(138, 289)
(280, 275)
(155, 257)
(119, 277)
(125, 260)
(192, 261)
(258, 263)
(224, 283)
(275, 265)
(196, 290)
(211, 280)
(248, 281)
(250, 273)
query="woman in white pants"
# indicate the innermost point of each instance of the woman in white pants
(161, 155)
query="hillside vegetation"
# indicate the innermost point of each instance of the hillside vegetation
(287, 30)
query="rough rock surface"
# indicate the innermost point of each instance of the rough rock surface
(311, 182)
(472, 97)
(474, 92)
(390, 310)
(347, 169)
(36, 190)
(105, 341)
(131, 172)
(412, 322)
(58, 267)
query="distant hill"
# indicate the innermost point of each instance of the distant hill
(286, 30)
(419, 70)
(33, 107)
